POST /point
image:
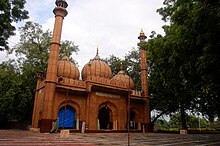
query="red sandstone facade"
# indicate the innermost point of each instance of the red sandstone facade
(98, 98)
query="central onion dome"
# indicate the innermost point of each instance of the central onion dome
(123, 77)
(67, 69)
(96, 67)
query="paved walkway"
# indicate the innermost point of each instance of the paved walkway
(27, 138)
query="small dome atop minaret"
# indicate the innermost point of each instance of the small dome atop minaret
(60, 9)
(142, 36)
(61, 3)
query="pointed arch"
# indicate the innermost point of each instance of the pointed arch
(68, 114)
(72, 104)
(107, 116)
(135, 118)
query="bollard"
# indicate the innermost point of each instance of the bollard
(183, 132)
(83, 127)
(64, 134)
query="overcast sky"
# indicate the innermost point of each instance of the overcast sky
(112, 25)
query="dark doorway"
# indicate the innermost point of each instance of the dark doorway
(132, 120)
(104, 117)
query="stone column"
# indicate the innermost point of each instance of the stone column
(77, 123)
(139, 125)
(115, 125)
(98, 125)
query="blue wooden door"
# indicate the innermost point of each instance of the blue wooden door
(66, 117)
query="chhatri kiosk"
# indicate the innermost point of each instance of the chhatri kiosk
(98, 98)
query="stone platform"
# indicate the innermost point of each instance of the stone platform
(27, 138)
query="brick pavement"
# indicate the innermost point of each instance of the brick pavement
(27, 138)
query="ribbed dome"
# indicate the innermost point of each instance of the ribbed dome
(123, 77)
(96, 67)
(67, 69)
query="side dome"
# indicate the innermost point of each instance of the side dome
(67, 69)
(123, 77)
(96, 67)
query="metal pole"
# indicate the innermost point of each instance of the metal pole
(67, 92)
(129, 114)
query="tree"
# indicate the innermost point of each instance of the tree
(185, 61)
(162, 99)
(12, 102)
(33, 48)
(20, 76)
(115, 64)
(130, 64)
(163, 124)
(8, 79)
(10, 11)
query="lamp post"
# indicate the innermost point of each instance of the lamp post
(199, 121)
(129, 112)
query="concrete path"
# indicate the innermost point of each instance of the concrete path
(27, 138)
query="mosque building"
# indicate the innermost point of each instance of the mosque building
(100, 100)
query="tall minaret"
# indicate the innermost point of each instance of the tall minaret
(51, 77)
(143, 57)
(144, 81)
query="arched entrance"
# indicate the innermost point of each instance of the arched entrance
(133, 124)
(107, 116)
(104, 118)
(66, 117)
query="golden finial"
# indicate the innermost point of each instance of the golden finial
(142, 36)
(142, 32)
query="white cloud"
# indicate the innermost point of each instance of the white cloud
(39, 11)
(113, 25)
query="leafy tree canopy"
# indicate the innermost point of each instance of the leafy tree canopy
(10, 11)
(184, 63)
(130, 64)
(15, 98)
(19, 78)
